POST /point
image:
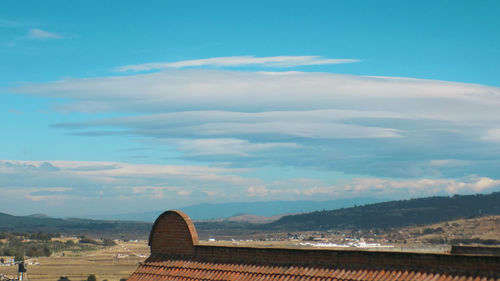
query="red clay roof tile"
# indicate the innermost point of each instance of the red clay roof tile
(210, 263)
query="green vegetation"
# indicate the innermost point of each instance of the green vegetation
(40, 244)
(32, 245)
(395, 213)
(387, 215)
(85, 240)
(374, 217)
(108, 242)
(74, 227)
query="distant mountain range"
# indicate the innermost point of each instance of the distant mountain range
(43, 223)
(390, 214)
(227, 210)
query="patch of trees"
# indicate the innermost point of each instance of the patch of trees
(108, 242)
(19, 248)
(41, 244)
(72, 227)
(85, 240)
(419, 211)
(429, 230)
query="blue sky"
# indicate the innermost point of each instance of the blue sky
(117, 107)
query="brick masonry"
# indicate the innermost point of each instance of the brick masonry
(173, 236)
(173, 233)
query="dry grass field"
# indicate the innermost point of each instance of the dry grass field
(487, 227)
(112, 263)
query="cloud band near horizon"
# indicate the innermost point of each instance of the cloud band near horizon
(72, 184)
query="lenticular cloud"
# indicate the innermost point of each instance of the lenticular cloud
(376, 126)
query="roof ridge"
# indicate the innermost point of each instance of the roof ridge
(177, 256)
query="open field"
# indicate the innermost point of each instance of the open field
(116, 262)
(110, 263)
(484, 228)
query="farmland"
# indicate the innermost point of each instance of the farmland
(113, 263)
(107, 263)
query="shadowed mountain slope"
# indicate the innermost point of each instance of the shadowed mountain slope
(395, 213)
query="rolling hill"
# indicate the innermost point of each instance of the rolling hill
(392, 214)
(42, 223)
(208, 211)
(419, 211)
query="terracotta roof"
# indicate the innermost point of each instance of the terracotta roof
(176, 256)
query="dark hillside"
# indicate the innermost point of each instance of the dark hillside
(395, 213)
(402, 213)
(115, 229)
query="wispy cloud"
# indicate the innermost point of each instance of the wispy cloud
(122, 185)
(374, 126)
(14, 111)
(278, 61)
(471, 184)
(377, 187)
(44, 180)
(492, 135)
(159, 192)
(221, 146)
(125, 186)
(39, 34)
(53, 195)
(312, 124)
(178, 90)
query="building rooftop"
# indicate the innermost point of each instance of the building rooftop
(177, 255)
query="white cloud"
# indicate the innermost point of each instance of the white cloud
(194, 117)
(236, 147)
(313, 124)
(417, 187)
(52, 195)
(374, 126)
(158, 192)
(105, 185)
(257, 191)
(373, 187)
(38, 34)
(278, 61)
(27, 174)
(303, 130)
(492, 135)
(100, 184)
(181, 90)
